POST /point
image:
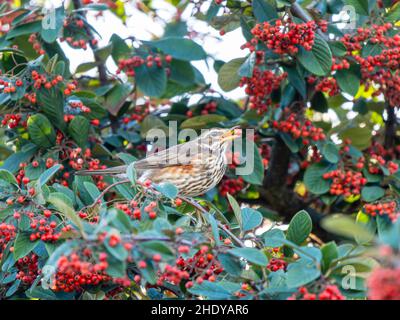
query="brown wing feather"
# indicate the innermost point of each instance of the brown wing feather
(179, 155)
(182, 154)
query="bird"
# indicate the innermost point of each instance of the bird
(194, 167)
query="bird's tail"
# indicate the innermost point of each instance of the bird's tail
(103, 172)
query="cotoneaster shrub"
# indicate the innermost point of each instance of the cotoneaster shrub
(323, 104)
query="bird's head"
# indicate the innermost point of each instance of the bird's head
(218, 138)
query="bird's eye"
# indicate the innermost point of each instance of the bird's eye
(215, 134)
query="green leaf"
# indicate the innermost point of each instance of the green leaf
(368, 223)
(394, 14)
(131, 173)
(6, 175)
(256, 175)
(348, 80)
(360, 136)
(313, 179)
(319, 60)
(24, 29)
(182, 72)
(92, 189)
(230, 264)
(105, 52)
(202, 121)
(119, 49)
(214, 228)
(210, 290)
(331, 152)
(41, 131)
(52, 24)
(264, 10)
(51, 102)
(151, 81)
(319, 102)
(360, 6)
(180, 48)
(154, 247)
(338, 48)
(236, 209)
(346, 226)
(86, 66)
(117, 251)
(63, 204)
(152, 122)
(329, 253)
(250, 219)
(23, 245)
(274, 238)
(246, 69)
(13, 161)
(299, 228)
(252, 255)
(175, 29)
(290, 142)
(296, 79)
(373, 193)
(228, 75)
(117, 96)
(48, 174)
(301, 272)
(78, 129)
(167, 189)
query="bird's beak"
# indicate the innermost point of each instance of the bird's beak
(232, 134)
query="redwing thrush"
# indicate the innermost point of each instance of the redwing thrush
(193, 167)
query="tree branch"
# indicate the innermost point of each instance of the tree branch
(390, 127)
(101, 66)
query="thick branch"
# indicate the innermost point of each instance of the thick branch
(391, 126)
(101, 66)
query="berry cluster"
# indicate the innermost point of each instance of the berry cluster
(12, 120)
(42, 80)
(265, 152)
(276, 264)
(384, 284)
(231, 186)
(28, 268)
(43, 227)
(299, 128)
(202, 266)
(79, 159)
(388, 208)
(285, 36)
(75, 272)
(233, 159)
(260, 86)
(382, 67)
(327, 85)
(129, 65)
(139, 113)
(330, 292)
(37, 46)
(75, 33)
(78, 105)
(346, 183)
(210, 107)
(7, 233)
(133, 209)
(8, 87)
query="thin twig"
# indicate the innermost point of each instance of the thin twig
(220, 225)
(106, 190)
